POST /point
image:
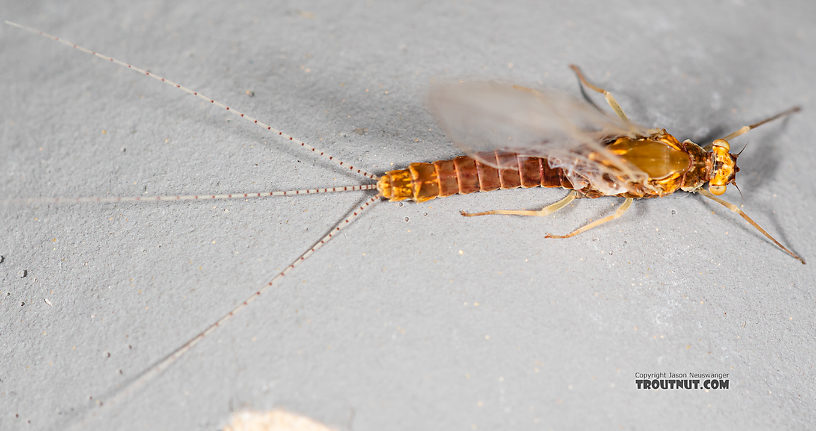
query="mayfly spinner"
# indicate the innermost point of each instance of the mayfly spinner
(513, 137)
(520, 137)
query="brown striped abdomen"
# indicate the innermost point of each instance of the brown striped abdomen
(426, 181)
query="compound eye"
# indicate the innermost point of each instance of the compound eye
(716, 190)
(723, 144)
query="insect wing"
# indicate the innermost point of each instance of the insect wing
(484, 117)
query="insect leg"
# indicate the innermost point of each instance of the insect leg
(619, 212)
(549, 209)
(607, 95)
(736, 209)
(745, 129)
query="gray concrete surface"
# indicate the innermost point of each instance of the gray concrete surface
(414, 318)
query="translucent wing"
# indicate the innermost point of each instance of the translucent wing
(483, 117)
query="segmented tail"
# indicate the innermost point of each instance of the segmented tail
(199, 197)
(207, 99)
(174, 356)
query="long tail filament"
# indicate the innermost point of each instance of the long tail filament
(199, 95)
(200, 197)
(167, 361)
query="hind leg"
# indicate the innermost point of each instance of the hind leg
(549, 209)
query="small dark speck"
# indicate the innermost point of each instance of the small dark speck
(401, 204)
(426, 214)
(130, 347)
(2, 258)
(121, 372)
(107, 354)
(674, 212)
(124, 150)
(23, 273)
(250, 93)
(22, 304)
(407, 219)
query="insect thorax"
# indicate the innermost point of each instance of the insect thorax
(669, 165)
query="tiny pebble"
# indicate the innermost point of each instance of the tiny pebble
(23, 273)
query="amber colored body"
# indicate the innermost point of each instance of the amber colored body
(670, 164)
(425, 181)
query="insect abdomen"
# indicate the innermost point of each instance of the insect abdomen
(426, 181)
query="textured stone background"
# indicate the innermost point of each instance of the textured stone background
(413, 318)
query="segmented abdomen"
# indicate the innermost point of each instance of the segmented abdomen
(426, 181)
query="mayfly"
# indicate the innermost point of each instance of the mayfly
(513, 137)
(520, 137)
